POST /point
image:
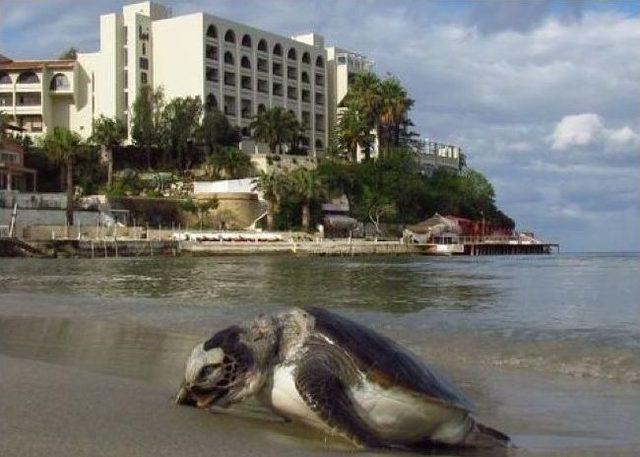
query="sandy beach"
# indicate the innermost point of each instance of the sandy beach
(88, 375)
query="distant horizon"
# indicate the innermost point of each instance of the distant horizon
(542, 96)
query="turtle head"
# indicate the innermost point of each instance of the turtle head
(228, 367)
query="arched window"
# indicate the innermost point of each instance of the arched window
(263, 46)
(246, 41)
(5, 78)
(319, 62)
(306, 58)
(212, 102)
(228, 58)
(28, 77)
(291, 55)
(305, 77)
(212, 32)
(245, 62)
(261, 108)
(277, 49)
(319, 143)
(59, 82)
(230, 36)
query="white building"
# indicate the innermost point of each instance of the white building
(238, 68)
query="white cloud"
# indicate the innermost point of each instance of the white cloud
(582, 130)
(576, 130)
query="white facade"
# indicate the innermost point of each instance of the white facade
(238, 68)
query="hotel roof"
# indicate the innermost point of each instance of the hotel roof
(36, 64)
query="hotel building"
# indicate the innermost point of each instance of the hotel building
(237, 68)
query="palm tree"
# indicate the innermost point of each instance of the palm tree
(394, 106)
(109, 133)
(308, 186)
(234, 162)
(270, 185)
(63, 146)
(364, 97)
(275, 126)
(352, 132)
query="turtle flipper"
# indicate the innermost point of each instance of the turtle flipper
(320, 386)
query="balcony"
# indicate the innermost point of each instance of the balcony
(28, 99)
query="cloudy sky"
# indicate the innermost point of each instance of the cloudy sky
(544, 96)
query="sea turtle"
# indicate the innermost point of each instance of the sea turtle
(327, 371)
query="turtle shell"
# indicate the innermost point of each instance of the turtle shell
(385, 362)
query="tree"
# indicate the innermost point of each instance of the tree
(216, 131)
(394, 106)
(146, 128)
(377, 206)
(307, 185)
(270, 185)
(5, 120)
(180, 127)
(275, 127)
(233, 162)
(63, 146)
(69, 54)
(352, 132)
(108, 133)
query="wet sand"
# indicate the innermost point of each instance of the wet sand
(75, 387)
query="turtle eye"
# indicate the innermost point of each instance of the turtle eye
(208, 370)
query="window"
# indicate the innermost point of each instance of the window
(230, 36)
(292, 93)
(319, 122)
(212, 32)
(59, 82)
(292, 72)
(125, 82)
(245, 82)
(246, 41)
(126, 56)
(306, 58)
(306, 96)
(5, 78)
(277, 49)
(319, 80)
(263, 86)
(245, 108)
(277, 89)
(144, 63)
(125, 38)
(6, 99)
(245, 62)
(319, 144)
(28, 99)
(262, 46)
(31, 123)
(261, 108)
(144, 78)
(28, 77)
(319, 98)
(342, 59)
(292, 55)
(212, 52)
(305, 77)
(144, 48)
(277, 69)
(228, 58)
(212, 74)
(320, 62)
(263, 65)
(306, 119)
(126, 99)
(212, 102)
(229, 78)
(229, 105)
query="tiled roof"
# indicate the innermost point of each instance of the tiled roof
(36, 64)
